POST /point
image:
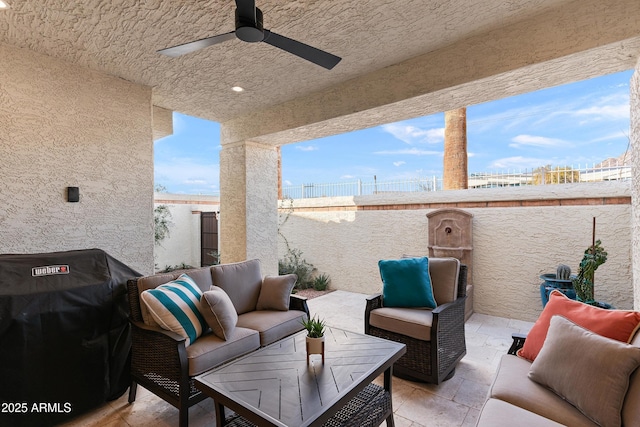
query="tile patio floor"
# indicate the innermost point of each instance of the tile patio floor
(455, 402)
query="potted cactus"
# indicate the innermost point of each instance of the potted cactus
(594, 257)
(562, 280)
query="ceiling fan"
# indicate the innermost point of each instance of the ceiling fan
(249, 29)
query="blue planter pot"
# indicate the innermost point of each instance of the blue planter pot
(598, 304)
(551, 283)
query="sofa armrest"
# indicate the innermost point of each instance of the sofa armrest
(518, 342)
(372, 302)
(447, 330)
(144, 328)
(449, 316)
(298, 303)
(157, 353)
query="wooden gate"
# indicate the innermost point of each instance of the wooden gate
(209, 238)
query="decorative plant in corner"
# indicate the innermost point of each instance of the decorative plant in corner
(315, 337)
(583, 283)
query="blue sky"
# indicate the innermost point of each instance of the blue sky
(580, 123)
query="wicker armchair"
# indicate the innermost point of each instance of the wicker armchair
(432, 356)
(159, 360)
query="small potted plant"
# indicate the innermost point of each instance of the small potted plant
(315, 336)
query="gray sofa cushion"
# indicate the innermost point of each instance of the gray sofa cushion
(413, 322)
(209, 351)
(630, 407)
(241, 281)
(588, 370)
(512, 385)
(444, 279)
(275, 292)
(219, 312)
(499, 413)
(272, 325)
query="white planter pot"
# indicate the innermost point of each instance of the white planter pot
(315, 346)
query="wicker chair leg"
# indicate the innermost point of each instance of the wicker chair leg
(133, 388)
(450, 375)
(184, 416)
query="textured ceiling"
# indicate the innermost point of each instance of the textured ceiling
(120, 37)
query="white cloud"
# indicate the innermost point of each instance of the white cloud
(410, 151)
(400, 163)
(347, 177)
(287, 182)
(609, 112)
(306, 147)
(194, 181)
(412, 134)
(519, 162)
(537, 141)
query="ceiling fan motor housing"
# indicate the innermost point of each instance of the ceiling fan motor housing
(249, 29)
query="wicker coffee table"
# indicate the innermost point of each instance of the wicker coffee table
(274, 386)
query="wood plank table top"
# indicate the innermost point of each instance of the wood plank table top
(274, 386)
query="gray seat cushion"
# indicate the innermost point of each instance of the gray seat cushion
(499, 413)
(272, 324)
(413, 322)
(209, 351)
(512, 385)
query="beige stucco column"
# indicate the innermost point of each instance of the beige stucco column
(634, 103)
(249, 204)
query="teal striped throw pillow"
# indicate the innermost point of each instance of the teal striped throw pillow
(176, 307)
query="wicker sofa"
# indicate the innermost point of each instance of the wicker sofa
(515, 396)
(435, 338)
(162, 362)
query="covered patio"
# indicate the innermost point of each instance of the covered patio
(83, 95)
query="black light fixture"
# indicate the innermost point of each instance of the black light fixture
(73, 194)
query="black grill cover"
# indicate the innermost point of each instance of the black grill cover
(64, 335)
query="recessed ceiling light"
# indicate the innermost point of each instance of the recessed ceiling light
(237, 89)
(3, 5)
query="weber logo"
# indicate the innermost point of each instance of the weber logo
(49, 270)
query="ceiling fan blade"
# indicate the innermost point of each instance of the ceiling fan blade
(304, 51)
(246, 8)
(185, 48)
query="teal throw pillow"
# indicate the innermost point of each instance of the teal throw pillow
(406, 283)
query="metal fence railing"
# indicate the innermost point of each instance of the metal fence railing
(607, 171)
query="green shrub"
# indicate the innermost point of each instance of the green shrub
(181, 266)
(294, 263)
(321, 282)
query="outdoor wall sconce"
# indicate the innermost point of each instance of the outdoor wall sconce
(73, 194)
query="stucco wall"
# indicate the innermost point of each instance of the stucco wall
(183, 243)
(62, 125)
(634, 104)
(513, 245)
